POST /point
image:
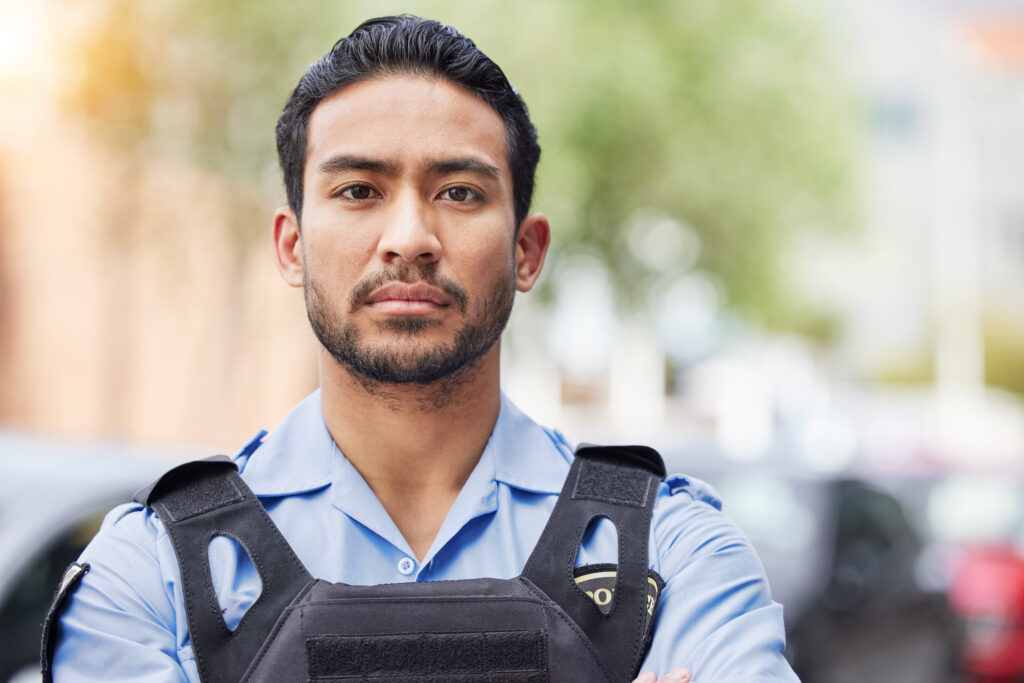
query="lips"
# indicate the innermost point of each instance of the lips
(402, 297)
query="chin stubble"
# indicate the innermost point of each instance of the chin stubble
(445, 363)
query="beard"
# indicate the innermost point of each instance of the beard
(386, 364)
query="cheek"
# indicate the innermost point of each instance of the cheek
(492, 248)
(492, 263)
(334, 253)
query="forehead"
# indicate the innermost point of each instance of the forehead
(406, 119)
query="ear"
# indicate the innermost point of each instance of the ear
(531, 248)
(288, 246)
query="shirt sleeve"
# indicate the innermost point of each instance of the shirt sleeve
(120, 623)
(715, 615)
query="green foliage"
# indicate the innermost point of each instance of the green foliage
(1004, 353)
(724, 116)
(721, 115)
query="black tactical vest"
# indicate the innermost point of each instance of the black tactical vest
(540, 626)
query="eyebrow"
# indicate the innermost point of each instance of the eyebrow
(467, 164)
(340, 163)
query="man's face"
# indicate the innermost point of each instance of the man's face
(408, 244)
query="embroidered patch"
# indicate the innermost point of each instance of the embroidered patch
(598, 581)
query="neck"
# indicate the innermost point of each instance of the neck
(415, 445)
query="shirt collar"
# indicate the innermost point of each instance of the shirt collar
(298, 455)
(519, 453)
(526, 455)
(295, 457)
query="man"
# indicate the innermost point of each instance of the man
(408, 161)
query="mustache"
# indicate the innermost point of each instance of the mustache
(409, 275)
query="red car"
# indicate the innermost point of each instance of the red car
(987, 593)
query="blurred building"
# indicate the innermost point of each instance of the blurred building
(127, 309)
(930, 293)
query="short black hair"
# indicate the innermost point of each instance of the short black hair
(408, 44)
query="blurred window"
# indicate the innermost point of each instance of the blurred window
(895, 117)
(875, 548)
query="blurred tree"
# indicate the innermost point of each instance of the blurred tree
(724, 118)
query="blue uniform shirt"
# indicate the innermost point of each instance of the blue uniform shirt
(126, 621)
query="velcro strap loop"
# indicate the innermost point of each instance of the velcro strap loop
(610, 483)
(205, 493)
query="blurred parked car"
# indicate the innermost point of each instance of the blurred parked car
(844, 560)
(53, 497)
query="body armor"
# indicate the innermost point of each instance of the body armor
(553, 622)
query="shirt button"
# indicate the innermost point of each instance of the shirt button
(406, 566)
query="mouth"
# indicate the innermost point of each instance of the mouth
(402, 298)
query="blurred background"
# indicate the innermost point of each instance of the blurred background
(788, 252)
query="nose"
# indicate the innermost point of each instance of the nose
(409, 233)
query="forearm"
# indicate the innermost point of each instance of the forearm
(716, 615)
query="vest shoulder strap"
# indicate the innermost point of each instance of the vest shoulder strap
(620, 483)
(196, 502)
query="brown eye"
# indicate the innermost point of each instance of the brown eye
(357, 192)
(459, 193)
